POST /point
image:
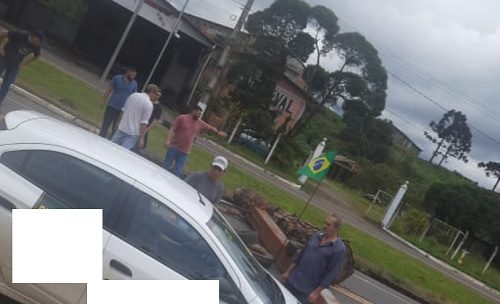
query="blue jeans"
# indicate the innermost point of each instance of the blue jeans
(8, 78)
(125, 140)
(175, 156)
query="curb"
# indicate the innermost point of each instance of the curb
(55, 109)
(442, 263)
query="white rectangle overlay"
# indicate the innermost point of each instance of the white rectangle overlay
(153, 292)
(56, 245)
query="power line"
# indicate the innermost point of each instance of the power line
(420, 71)
(417, 91)
(429, 77)
(402, 118)
(440, 106)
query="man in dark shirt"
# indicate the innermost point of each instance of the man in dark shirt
(21, 49)
(318, 264)
(120, 88)
(208, 182)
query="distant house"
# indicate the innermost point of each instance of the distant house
(290, 94)
(400, 139)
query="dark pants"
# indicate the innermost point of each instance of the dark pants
(301, 296)
(8, 78)
(111, 118)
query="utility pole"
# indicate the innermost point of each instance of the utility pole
(225, 55)
(172, 33)
(120, 43)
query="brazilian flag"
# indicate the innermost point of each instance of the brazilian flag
(318, 167)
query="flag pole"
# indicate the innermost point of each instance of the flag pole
(288, 234)
(310, 197)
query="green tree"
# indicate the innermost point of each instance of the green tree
(365, 135)
(360, 82)
(250, 91)
(491, 168)
(467, 207)
(74, 9)
(279, 30)
(277, 33)
(453, 136)
(454, 204)
(359, 54)
(325, 23)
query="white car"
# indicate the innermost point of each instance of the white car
(155, 225)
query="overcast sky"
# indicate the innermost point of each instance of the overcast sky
(449, 50)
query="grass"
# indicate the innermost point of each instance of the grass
(256, 158)
(371, 254)
(473, 264)
(47, 81)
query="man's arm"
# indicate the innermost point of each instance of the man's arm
(153, 124)
(107, 94)
(29, 59)
(146, 114)
(214, 129)
(171, 132)
(296, 260)
(109, 90)
(143, 130)
(157, 114)
(170, 135)
(286, 274)
(333, 267)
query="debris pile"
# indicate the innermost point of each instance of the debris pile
(294, 229)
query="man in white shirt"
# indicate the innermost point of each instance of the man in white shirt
(136, 113)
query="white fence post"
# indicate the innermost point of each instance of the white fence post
(490, 260)
(460, 245)
(396, 201)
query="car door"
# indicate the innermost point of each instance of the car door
(66, 180)
(15, 193)
(152, 241)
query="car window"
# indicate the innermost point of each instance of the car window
(14, 160)
(167, 237)
(72, 181)
(6, 204)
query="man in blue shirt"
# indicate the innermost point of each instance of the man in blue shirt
(120, 88)
(318, 264)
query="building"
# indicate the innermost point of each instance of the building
(289, 96)
(400, 139)
(90, 30)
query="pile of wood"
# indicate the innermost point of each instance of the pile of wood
(297, 231)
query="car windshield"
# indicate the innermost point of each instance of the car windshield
(262, 283)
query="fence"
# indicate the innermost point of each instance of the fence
(379, 202)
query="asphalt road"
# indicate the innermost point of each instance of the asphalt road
(369, 289)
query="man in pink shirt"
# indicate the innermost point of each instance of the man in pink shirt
(180, 139)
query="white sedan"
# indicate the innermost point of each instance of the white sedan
(155, 225)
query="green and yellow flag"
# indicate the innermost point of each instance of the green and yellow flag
(318, 167)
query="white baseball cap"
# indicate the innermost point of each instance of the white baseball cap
(221, 162)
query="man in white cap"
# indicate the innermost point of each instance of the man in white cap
(208, 182)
